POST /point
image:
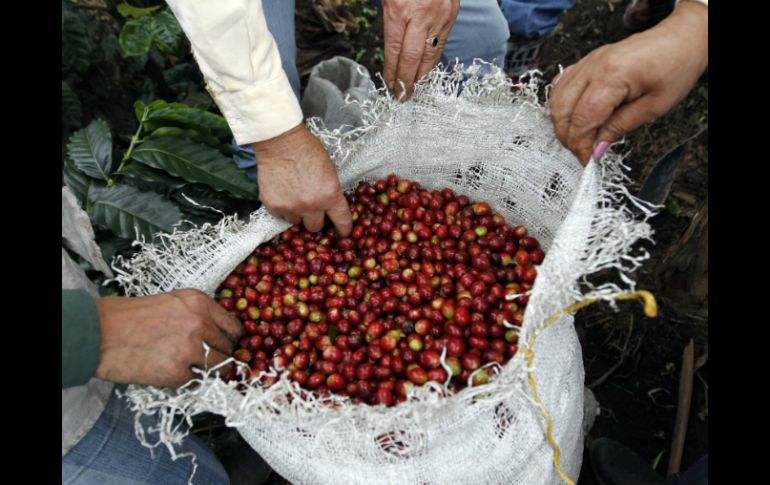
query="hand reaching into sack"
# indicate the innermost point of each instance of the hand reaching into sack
(298, 181)
(618, 87)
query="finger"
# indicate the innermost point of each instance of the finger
(410, 57)
(213, 359)
(218, 340)
(628, 118)
(291, 218)
(224, 371)
(431, 55)
(284, 214)
(592, 110)
(393, 35)
(557, 78)
(339, 213)
(275, 213)
(563, 98)
(228, 325)
(313, 221)
(601, 147)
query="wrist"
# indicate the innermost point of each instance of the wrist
(103, 309)
(266, 147)
(689, 23)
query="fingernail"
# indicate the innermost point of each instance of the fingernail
(600, 149)
(391, 85)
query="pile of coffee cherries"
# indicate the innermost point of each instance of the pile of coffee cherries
(368, 316)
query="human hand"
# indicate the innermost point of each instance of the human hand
(156, 340)
(618, 87)
(298, 182)
(407, 25)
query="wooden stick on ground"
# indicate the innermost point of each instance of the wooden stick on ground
(682, 408)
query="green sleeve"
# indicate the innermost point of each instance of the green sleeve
(80, 333)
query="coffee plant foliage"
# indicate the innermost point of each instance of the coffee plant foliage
(143, 148)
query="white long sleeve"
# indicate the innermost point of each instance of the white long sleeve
(240, 62)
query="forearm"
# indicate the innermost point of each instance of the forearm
(241, 65)
(692, 16)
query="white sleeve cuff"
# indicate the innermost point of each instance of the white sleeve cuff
(260, 112)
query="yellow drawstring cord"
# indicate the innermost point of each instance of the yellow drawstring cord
(650, 310)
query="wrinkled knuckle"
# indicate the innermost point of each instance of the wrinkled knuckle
(588, 110)
(615, 129)
(612, 65)
(422, 9)
(197, 298)
(333, 194)
(411, 56)
(391, 46)
(307, 200)
(196, 325)
(580, 118)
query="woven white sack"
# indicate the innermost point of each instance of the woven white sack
(490, 144)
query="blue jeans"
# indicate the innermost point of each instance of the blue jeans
(534, 18)
(480, 31)
(110, 454)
